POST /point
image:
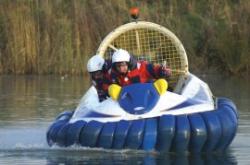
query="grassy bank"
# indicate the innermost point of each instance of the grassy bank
(45, 36)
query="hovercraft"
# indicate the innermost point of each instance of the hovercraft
(148, 116)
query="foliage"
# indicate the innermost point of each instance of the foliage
(45, 36)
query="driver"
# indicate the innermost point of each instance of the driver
(98, 70)
(126, 70)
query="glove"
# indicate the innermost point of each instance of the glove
(107, 65)
(165, 71)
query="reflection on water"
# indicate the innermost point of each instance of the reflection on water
(38, 97)
(132, 158)
(88, 156)
(28, 104)
(235, 88)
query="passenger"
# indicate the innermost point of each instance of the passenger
(98, 69)
(126, 70)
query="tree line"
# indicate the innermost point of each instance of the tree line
(59, 36)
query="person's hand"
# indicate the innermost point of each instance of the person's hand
(165, 71)
(106, 66)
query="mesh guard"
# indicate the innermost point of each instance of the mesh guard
(151, 42)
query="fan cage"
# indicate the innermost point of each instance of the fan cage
(151, 42)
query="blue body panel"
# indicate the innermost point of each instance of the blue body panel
(213, 130)
(198, 133)
(208, 131)
(182, 134)
(135, 134)
(60, 121)
(73, 132)
(62, 134)
(107, 135)
(90, 133)
(53, 130)
(150, 134)
(138, 95)
(233, 121)
(66, 115)
(228, 129)
(120, 135)
(225, 102)
(166, 131)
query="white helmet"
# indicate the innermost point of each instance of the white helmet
(120, 56)
(95, 63)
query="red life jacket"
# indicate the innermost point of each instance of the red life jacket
(143, 73)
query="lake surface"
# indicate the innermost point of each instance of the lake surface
(28, 105)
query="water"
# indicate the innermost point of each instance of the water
(28, 105)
